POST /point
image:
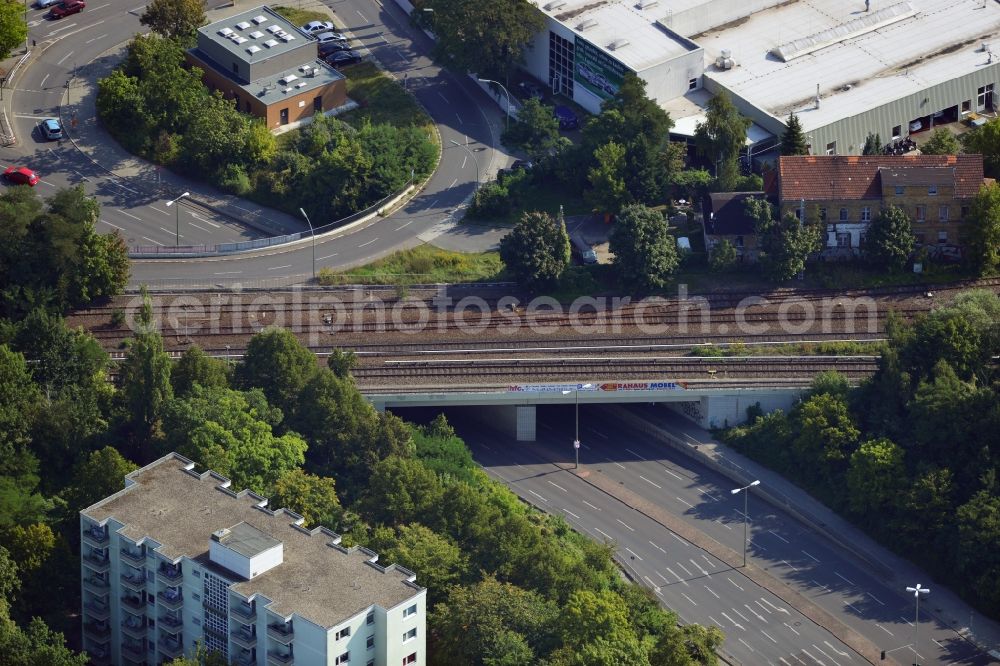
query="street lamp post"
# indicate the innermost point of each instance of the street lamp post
(313, 232)
(576, 441)
(917, 591)
(177, 240)
(474, 159)
(505, 93)
(745, 490)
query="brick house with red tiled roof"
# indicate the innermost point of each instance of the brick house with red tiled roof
(846, 192)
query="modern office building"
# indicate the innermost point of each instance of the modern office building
(268, 66)
(177, 559)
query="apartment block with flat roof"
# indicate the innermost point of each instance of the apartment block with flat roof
(177, 558)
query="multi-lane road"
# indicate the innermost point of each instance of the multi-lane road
(75, 45)
(760, 628)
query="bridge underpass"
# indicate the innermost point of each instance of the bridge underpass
(513, 409)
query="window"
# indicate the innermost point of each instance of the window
(897, 131)
(861, 239)
(866, 214)
(343, 633)
(236, 68)
(966, 106)
(831, 148)
(965, 212)
(798, 214)
(984, 98)
(843, 240)
(822, 214)
(197, 574)
(343, 659)
(370, 643)
(283, 116)
(942, 237)
(692, 84)
(932, 190)
(196, 621)
(318, 103)
(412, 610)
(370, 620)
(943, 213)
(921, 213)
(561, 64)
(410, 635)
(739, 241)
(900, 190)
(843, 215)
(412, 659)
(248, 107)
(920, 238)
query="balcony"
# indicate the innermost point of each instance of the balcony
(95, 584)
(170, 648)
(95, 536)
(281, 632)
(169, 573)
(96, 563)
(135, 627)
(245, 639)
(172, 600)
(99, 631)
(99, 655)
(134, 581)
(138, 559)
(134, 603)
(135, 653)
(171, 623)
(97, 610)
(243, 612)
(245, 659)
(279, 658)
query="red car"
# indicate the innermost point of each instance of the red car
(66, 8)
(21, 176)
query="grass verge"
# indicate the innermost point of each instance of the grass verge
(420, 265)
(381, 100)
(797, 349)
(301, 16)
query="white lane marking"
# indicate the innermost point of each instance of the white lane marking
(634, 554)
(58, 30)
(715, 621)
(840, 652)
(726, 525)
(784, 661)
(591, 505)
(806, 652)
(229, 273)
(707, 494)
(665, 579)
(734, 583)
(712, 592)
(884, 629)
(453, 183)
(634, 453)
(112, 225)
(678, 538)
(846, 580)
(202, 228)
(361, 15)
(106, 4)
(444, 98)
(153, 241)
(63, 59)
(96, 38)
(132, 11)
(125, 212)
(369, 242)
(676, 476)
(689, 599)
(852, 608)
(699, 567)
(764, 608)
(539, 496)
(159, 210)
(459, 116)
(685, 569)
(572, 514)
(170, 231)
(657, 547)
(326, 257)
(777, 608)
(205, 220)
(747, 644)
(759, 616)
(768, 635)
(710, 563)
(606, 535)
(792, 628)
(44, 79)
(687, 504)
(630, 528)
(737, 611)
(789, 565)
(812, 557)
(598, 433)
(905, 620)
(465, 158)
(557, 486)
(778, 535)
(734, 622)
(938, 643)
(875, 598)
(278, 268)
(403, 226)
(822, 587)
(822, 652)
(650, 482)
(679, 579)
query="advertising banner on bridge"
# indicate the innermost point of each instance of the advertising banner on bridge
(602, 386)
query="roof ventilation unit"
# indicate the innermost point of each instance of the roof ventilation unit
(225, 32)
(274, 29)
(725, 60)
(589, 23)
(260, 18)
(242, 25)
(239, 40)
(252, 49)
(301, 84)
(256, 34)
(286, 90)
(618, 44)
(646, 4)
(555, 4)
(271, 43)
(305, 68)
(287, 78)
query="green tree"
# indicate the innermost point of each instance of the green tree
(645, 251)
(978, 559)
(176, 19)
(537, 250)
(486, 38)
(721, 138)
(875, 478)
(873, 145)
(145, 376)
(786, 243)
(535, 131)
(19, 398)
(30, 545)
(607, 193)
(101, 474)
(312, 497)
(596, 631)
(723, 256)
(13, 29)
(402, 490)
(231, 432)
(195, 367)
(341, 362)
(826, 438)
(436, 559)
(793, 141)
(985, 141)
(942, 142)
(277, 363)
(983, 228)
(890, 239)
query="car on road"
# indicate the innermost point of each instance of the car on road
(325, 37)
(332, 47)
(566, 117)
(66, 8)
(42, 4)
(531, 90)
(526, 165)
(342, 58)
(51, 129)
(317, 27)
(584, 250)
(20, 176)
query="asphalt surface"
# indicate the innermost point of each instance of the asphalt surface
(684, 576)
(66, 47)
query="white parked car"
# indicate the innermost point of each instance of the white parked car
(330, 37)
(42, 4)
(312, 28)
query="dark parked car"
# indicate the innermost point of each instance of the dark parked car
(531, 90)
(332, 47)
(20, 176)
(66, 8)
(567, 119)
(527, 165)
(342, 58)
